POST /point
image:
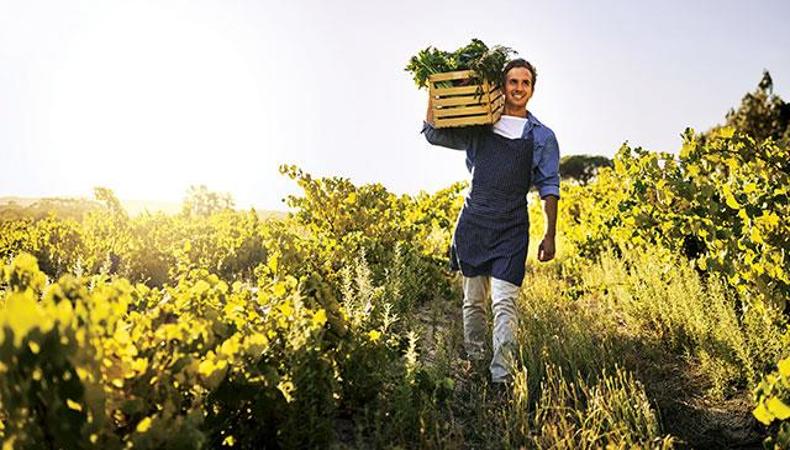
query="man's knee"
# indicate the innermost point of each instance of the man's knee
(476, 288)
(504, 291)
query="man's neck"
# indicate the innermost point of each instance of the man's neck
(518, 112)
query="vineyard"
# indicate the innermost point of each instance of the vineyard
(662, 323)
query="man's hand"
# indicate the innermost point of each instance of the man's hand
(546, 249)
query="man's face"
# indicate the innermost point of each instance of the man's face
(518, 87)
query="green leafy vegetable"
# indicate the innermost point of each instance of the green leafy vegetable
(487, 63)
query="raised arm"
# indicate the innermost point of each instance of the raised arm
(454, 138)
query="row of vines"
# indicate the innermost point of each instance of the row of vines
(222, 329)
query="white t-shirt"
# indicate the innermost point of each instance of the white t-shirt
(511, 127)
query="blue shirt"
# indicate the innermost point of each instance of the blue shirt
(545, 156)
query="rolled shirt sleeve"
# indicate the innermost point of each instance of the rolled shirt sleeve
(547, 172)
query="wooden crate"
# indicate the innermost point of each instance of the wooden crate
(473, 104)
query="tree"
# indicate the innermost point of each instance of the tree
(107, 197)
(762, 115)
(582, 168)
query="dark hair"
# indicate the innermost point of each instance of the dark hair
(520, 62)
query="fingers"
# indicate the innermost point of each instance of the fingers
(545, 252)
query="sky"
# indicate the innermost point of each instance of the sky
(149, 97)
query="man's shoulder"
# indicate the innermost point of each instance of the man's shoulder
(542, 131)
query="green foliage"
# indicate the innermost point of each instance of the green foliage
(201, 202)
(772, 397)
(215, 328)
(426, 63)
(56, 243)
(719, 203)
(487, 63)
(65, 208)
(582, 168)
(341, 221)
(761, 115)
(109, 200)
(87, 351)
(221, 329)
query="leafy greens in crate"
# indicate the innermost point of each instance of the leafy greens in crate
(487, 63)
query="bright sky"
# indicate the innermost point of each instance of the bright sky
(148, 97)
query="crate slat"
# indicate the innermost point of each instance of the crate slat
(461, 121)
(458, 90)
(466, 100)
(498, 112)
(447, 76)
(472, 104)
(463, 111)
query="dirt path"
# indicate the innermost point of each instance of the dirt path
(672, 387)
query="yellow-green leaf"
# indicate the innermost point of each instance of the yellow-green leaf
(757, 236)
(140, 365)
(21, 314)
(272, 263)
(144, 425)
(784, 367)
(778, 408)
(685, 150)
(762, 414)
(693, 170)
(279, 289)
(730, 199)
(9, 443)
(319, 318)
(726, 132)
(73, 405)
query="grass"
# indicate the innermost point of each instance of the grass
(622, 352)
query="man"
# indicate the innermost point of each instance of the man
(492, 233)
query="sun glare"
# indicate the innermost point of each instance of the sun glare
(148, 103)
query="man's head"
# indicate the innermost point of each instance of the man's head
(518, 83)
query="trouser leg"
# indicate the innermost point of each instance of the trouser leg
(476, 290)
(504, 295)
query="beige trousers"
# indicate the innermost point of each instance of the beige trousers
(503, 305)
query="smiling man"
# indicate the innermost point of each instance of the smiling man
(492, 232)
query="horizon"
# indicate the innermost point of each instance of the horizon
(148, 98)
(132, 206)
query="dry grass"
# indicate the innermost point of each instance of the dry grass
(602, 347)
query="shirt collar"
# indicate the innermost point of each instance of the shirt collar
(532, 122)
(531, 119)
